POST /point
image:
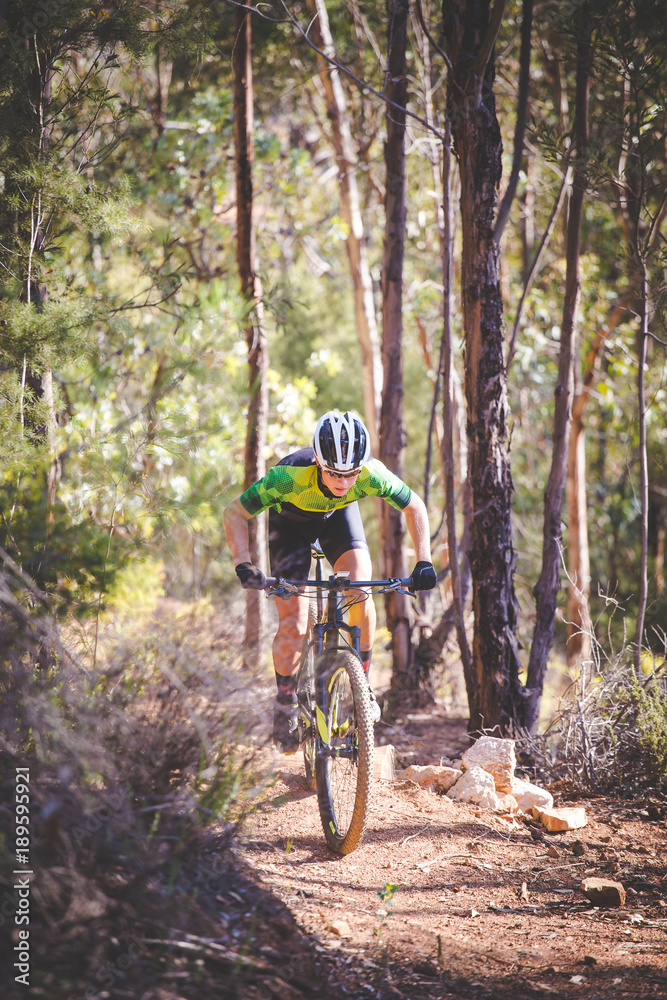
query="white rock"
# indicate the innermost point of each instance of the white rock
(507, 803)
(384, 768)
(433, 777)
(528, 795)
(495, 756)
(474, 785)
(486, 799)
(559, 820)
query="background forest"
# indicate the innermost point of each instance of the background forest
(218, 221)
(124, 375)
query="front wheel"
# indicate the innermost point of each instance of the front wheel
(344, 772)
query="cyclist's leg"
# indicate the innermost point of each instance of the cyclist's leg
(288, 640)
(289, 555)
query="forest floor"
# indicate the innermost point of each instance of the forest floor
(126, 904)
(481, 908)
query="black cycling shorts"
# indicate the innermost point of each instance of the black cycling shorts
(290, 540)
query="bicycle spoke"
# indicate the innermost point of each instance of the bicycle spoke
(343, 770)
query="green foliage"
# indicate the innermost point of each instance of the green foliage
(70, 560)
(386, 896)
(651, 707)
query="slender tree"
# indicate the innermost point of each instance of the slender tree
(255, 446)
(546, 589)
(471, 27)
(392, 429)
(579, 626)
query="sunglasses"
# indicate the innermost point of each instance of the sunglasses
(341, 475)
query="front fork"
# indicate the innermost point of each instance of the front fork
(327, 642)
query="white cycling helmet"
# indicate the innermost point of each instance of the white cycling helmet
(341, 442)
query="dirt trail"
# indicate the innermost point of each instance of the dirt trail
(481, 908)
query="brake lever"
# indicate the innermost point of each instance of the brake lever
(397, 589)
(284, 590)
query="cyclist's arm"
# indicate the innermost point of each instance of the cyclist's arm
(236, 519)
(418, 528)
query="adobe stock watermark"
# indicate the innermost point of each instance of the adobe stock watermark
(22, 884)
(107, 973)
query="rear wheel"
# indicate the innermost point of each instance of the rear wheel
(344, 779)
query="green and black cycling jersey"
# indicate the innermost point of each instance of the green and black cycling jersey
(294, 488)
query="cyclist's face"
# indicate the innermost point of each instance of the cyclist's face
(339, 484)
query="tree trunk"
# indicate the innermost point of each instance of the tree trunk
(496, 691)
(546, 589)
(392, 430)
(35, 290)
(458, 590)
(350, 208)
(642, 341)
(430, 647)
(579, 628)
(521, 115)
(255, 336)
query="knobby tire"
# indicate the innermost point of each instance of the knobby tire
(343, 787)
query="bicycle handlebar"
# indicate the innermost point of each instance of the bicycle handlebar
(340, 583)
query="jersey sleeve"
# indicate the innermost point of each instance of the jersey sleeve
(270, 491)
(383, 483)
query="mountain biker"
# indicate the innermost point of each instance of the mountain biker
(312, 495)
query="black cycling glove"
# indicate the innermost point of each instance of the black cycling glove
(251, 578)
(423, 576)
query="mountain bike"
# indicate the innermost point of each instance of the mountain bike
(334, 700)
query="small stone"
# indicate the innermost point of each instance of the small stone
(340, 927)
(579, 848)
(603, 892)
(553, 852)
(427, 969)
(559, 820)
(432, 777)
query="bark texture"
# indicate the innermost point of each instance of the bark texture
(392, 430)
(548, 584)
(470, 27)
(579, 628)
(258, 360)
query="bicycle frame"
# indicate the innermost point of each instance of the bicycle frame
(327, 632)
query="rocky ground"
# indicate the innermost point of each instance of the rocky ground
(442, 899)
(481, 906)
